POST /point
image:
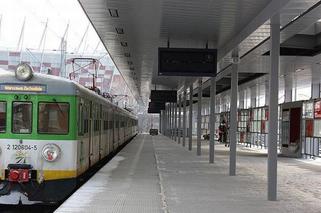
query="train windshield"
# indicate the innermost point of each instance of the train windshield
(22, 117)
(3, 114)
(53, 118)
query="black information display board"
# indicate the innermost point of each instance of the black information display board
(163, 96)
(187, 62)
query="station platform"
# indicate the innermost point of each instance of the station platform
(155, 174)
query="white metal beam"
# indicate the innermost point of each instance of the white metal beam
(272, 8)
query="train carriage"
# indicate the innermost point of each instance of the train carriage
(52, 131)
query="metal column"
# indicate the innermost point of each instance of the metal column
(199, 116)
(163, 122)
(233, 117)
(315, 87)
(184, 116)
(175, 122)
(288, 85)
(190, 120)
(267, 95)
(166, 120)
(170, 119)
(212, 120)
(160, 122)
(179, 117)
(273, 107)
(172, 131)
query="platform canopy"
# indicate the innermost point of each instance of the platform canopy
(133, 30)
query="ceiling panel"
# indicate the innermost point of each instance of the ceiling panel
(148, 25)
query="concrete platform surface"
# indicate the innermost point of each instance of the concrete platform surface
(155, 174)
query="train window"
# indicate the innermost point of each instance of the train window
(80, 119)
(105, 125)
(96, 125)
(86, 126)
(3, 115)
(53, 118)
(22, 117)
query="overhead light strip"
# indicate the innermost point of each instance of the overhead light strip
(124, 43)
(113, 13)
(119, 30)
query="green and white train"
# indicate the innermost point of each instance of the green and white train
(52, 130)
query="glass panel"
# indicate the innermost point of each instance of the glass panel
(317, 128)
(3, 115)
(22, 117)
(53, 118)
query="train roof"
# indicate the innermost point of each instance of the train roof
(54, 85)
(50, 85)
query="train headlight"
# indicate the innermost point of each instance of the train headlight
(24, 72)
(51, 152)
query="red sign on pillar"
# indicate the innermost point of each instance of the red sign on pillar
(317, 109)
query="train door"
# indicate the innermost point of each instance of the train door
(91, 133)
(101, 147)
(114, 129)
(106, 138)
(110, 130)
(291, 129)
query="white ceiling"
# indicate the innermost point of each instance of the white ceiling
(149, 24)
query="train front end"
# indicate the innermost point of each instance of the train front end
(38, 146)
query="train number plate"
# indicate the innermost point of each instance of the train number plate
(21, 147)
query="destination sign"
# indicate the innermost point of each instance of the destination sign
(36, 88)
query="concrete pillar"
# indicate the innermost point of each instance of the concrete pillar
(179, 117)
(184, 116)
(199, 117)
(212, 120)
(273, 107)
(190, 120)
(315, 87)
(233, 118)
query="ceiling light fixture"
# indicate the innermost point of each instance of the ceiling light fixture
(299, 70)
(127, 55)
(113, 13)
(123, 43)
(132, 68)
(119, 30)
(129, 62)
